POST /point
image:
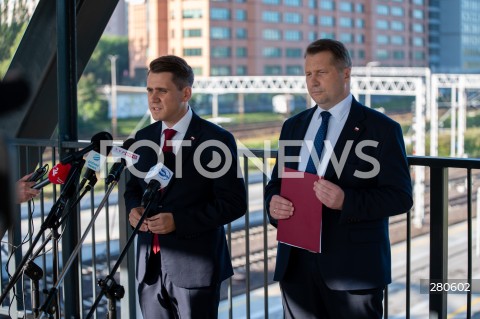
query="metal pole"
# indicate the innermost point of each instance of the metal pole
(438, 238)
(367, 87)
(478, 221)
(369, 65)
(433, 117)
(53, 293)
(67, 131)
(453, 122)
(113, 62)
(462, 117)
(214, 105)
(128, 304)
(241, 103)
(419, 150)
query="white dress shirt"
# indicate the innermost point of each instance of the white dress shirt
(335, 125)
(181, 128)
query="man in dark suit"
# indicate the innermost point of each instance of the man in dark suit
(358, 194)
(182, 253)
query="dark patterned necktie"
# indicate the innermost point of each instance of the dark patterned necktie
(318, 142)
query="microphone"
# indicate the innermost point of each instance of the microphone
(90, 176)
(117, 167)
(161, 172)
(57, 175)
(158, 177)
(151, 192)
(94, 161)
(38, 173)
(94, 145)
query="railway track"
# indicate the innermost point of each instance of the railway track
(255, 129)
(252, 130)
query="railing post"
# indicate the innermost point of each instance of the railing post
(438, 238)
(478, 223)
(127, 267)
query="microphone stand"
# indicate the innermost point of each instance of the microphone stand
(50, 222)
(53, 291)
(89, 186)
(49, 307)
(35, 273)
(109, 286)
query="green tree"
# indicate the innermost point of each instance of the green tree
(14, 17)
(90, 105)
(100, 64)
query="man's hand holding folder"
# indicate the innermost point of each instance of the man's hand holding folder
(304, 228)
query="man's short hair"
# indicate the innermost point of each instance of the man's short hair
(182, 73)
(341, 56)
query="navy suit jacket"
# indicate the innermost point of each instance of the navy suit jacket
(355, 241)
(196, 253)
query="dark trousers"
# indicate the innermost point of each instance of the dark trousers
(161, 299)
(306, 296)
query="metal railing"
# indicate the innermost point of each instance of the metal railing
(439, 222)
(251, 239)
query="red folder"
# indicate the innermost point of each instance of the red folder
(304, 228)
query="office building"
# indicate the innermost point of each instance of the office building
(268, 37)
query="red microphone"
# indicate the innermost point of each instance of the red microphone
(57, 175)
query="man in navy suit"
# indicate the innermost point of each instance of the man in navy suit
(182, 253)
(368, 182)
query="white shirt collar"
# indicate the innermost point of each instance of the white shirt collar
(182, 125)
(338, 111)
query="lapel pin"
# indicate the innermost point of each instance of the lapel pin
(192, 138)
(356, 129)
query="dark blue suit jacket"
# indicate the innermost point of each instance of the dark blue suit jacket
(196, 253)
(355, 241)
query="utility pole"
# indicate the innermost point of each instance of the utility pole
(371, 64)
(113, 62)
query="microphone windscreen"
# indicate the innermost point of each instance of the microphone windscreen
(59, 173)
(101, 136)
(129, 142)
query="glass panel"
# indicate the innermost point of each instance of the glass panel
(14, 18)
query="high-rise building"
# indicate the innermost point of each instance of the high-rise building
(434, 34)
(454, 35)
(268, 37)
